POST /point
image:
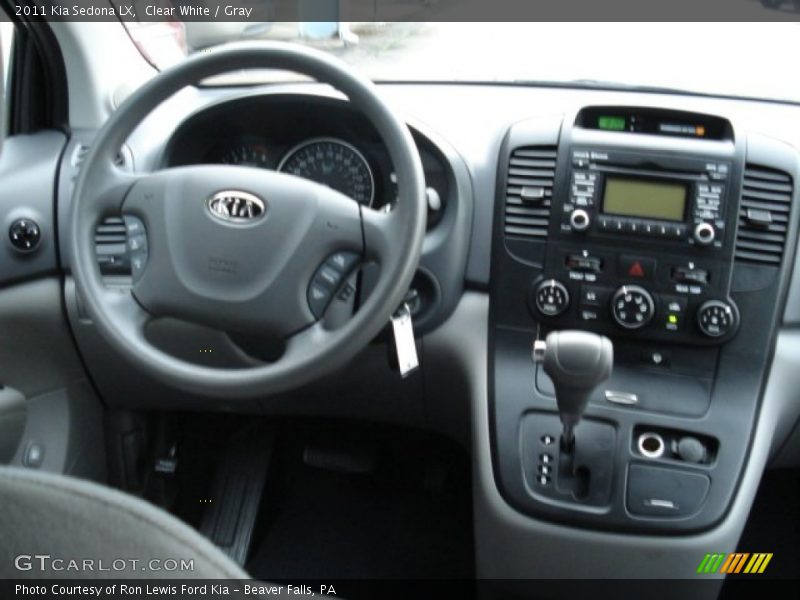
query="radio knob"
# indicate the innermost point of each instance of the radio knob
(632, 307)
(704, 234)
(716, 318)
(579, 220)
(551, 298)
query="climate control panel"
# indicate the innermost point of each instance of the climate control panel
(660, 297)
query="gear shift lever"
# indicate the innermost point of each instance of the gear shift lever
(577, 362)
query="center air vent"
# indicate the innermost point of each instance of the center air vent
(763, 215)
(529, 191)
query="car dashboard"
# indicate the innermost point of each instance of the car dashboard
(530, 230)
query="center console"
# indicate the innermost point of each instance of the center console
(665, 232)
(644, 233)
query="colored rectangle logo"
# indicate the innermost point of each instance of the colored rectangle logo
(734, 563)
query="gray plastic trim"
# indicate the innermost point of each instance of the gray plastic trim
(13, 412)
(42, 356)
(68, 424)
(511, 545)
(28, 169)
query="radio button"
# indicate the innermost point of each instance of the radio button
(617, 225)
(584, 177)
(604, 223)
(678, 231)
(634, 226)
(580, 160)
(582, 201)
(583, 189)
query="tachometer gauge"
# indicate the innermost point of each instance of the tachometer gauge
(246, 155)
(334, 163)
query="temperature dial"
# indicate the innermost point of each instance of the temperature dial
(632, 307)
(716, 318)
(551, 298)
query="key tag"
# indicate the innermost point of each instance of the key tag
(404, 343)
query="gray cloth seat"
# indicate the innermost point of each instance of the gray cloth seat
(74, 521)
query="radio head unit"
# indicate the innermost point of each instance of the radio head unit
(646, 195)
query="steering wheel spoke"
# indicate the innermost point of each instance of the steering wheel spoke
(109, 185)
(380, 234)
(126, 312)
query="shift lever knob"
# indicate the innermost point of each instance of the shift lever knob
(577, 362)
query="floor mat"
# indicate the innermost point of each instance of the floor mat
(408, 517)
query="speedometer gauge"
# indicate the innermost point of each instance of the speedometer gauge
(334, 163)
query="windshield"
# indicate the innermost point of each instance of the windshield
(732, 59)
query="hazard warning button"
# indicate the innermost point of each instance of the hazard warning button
(637, 267)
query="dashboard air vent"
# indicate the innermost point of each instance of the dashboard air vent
(529, 191)
(111, 247)
(763, 215)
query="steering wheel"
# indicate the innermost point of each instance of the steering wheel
(242, 249)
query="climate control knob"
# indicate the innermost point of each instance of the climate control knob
(716, 318)
(551, 297)
(632, 307)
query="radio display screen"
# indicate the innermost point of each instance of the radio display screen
(644, 198)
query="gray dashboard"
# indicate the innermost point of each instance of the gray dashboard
(463, 124)
(463, 128)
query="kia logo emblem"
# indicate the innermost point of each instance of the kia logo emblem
(234, 206)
